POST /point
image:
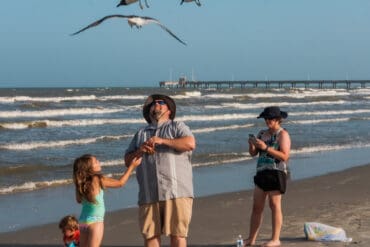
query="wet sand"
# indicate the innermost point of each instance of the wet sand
(340, 199)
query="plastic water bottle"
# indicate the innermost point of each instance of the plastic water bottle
(239, 241)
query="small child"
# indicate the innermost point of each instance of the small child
(71, 233)
(90, 185)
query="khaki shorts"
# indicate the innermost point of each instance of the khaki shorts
(171, 217)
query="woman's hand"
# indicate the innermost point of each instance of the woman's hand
(261, 145)
(252, 146)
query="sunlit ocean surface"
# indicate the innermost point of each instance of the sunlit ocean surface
(43, 130)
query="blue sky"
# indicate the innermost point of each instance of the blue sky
(227, 40)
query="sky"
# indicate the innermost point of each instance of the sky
(226, 40)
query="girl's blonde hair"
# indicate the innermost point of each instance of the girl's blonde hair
(83, 177)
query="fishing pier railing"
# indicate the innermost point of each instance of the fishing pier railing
(321, 84)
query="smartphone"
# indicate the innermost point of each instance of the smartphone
(252, 137)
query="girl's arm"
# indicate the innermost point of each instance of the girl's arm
(115, 183)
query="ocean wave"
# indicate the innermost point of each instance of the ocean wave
(118, 162)
(283, 104)
(336, 112)
(302, 94)
(63, 143)
(123, 97)
(46, 99)
(222, 162)
(223, 96)
(17, 170)
(59, 112)
(221, 117)
(188, 118)
(22, 169)
(30, 186)
(70, 98)
(276, 93)
(313, 93)
(212, 160)
(229, 127)
(91, 122)
(187, 95)
(324, 148)
(63, 123)
(327, 120)
(56, 144)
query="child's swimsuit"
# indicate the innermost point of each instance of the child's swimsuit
(92, 212)
(74, 241)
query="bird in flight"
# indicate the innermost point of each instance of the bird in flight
(127, 2)
(133, 20)
(188, 1)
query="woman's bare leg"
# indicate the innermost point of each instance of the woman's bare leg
(259, 198)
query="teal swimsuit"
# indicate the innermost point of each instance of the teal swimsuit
(93, 212)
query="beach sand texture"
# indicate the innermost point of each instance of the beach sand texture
(339, 199)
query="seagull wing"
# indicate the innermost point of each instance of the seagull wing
(150, 19)
(126, 2)
(96, 23)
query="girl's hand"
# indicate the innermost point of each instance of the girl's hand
(136, 161)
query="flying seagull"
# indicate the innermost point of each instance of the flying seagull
(188, 1)
(133, 20)
(127, 2)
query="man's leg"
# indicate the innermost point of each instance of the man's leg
(150, 224)
(178, 241)
(177, 219)
(153, 242)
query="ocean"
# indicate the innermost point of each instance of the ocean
(42, 130)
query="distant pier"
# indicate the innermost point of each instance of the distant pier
(321, 84)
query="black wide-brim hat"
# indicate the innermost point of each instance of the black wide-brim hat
(273, 112)
(149, 101)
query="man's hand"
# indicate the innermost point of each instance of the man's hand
(147, 147)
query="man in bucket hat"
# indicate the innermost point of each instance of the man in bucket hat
(165, 174)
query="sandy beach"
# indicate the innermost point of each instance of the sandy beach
(339, 199)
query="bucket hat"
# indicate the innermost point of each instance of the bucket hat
(273, 112)
(149, 101)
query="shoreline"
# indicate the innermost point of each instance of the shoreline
(340, 199)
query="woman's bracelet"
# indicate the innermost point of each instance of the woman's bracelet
(267, 148)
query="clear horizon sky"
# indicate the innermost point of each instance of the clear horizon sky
(227, 40)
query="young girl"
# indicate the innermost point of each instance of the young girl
(90, 185)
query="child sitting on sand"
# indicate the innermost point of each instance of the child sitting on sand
(90, 185)
(71, 233)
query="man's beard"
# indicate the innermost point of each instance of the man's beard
(157, 114)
